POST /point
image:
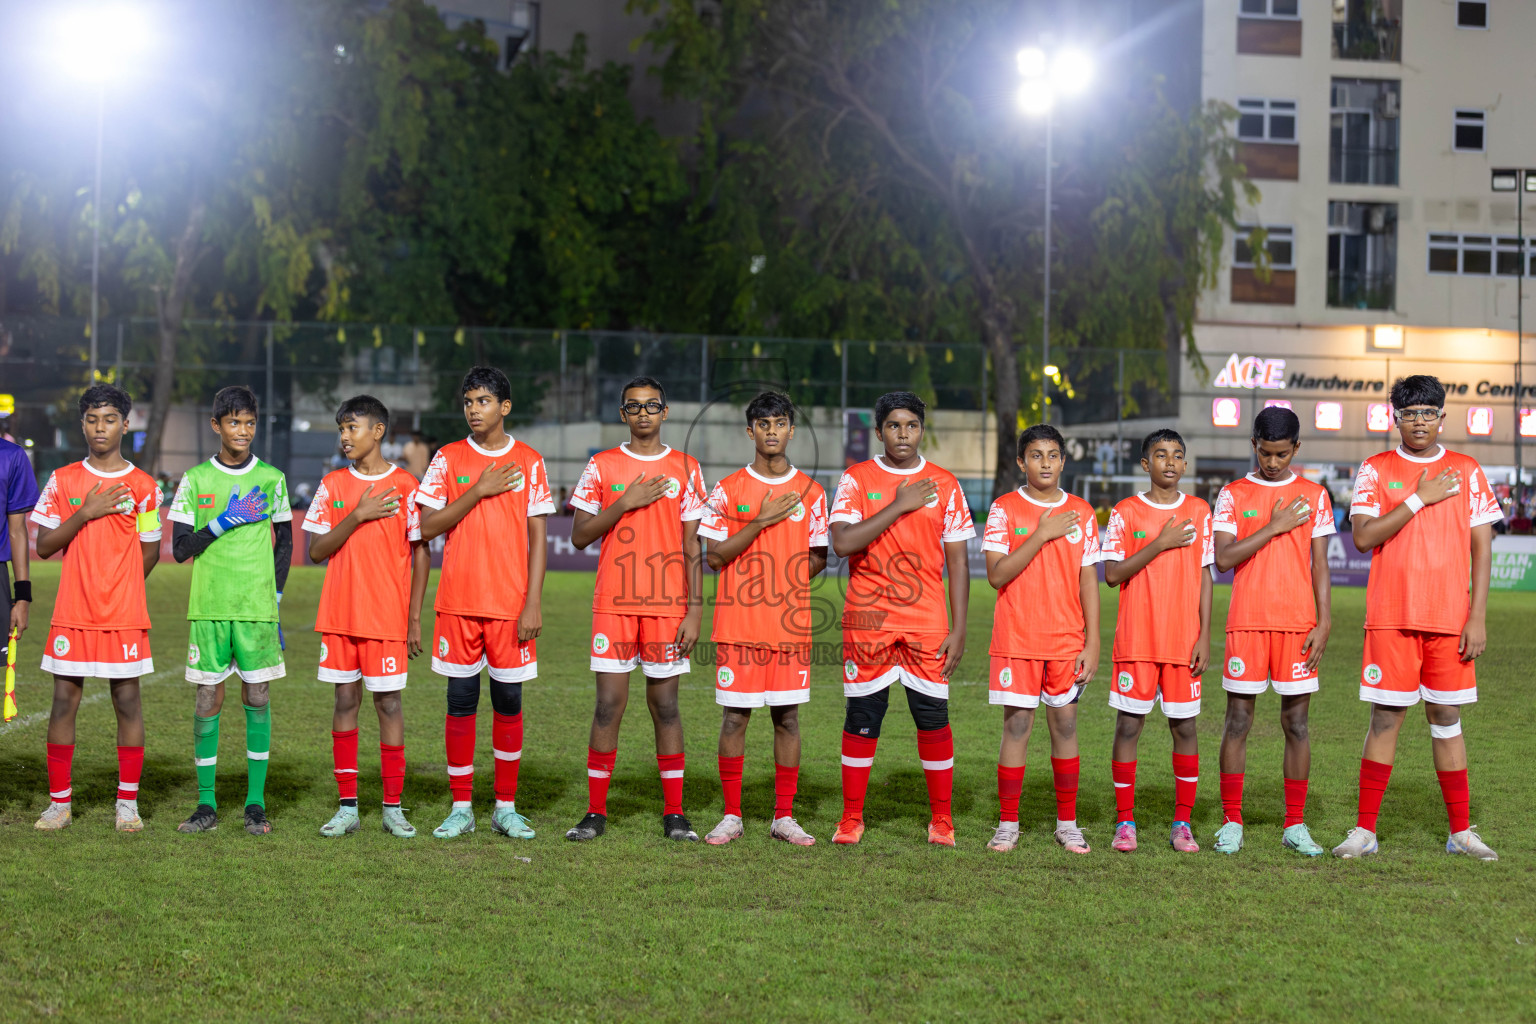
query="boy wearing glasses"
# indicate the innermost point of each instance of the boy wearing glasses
(1424, 513)
(643, 501)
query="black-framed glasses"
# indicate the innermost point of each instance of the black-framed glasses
(1419, 415)
(636, 408)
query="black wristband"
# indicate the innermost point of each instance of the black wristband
(23, 590)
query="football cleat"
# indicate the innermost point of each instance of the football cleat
(1071, 839)
(1125, 837)
(395, 824)
(1005, 838)
(1361, 842)
(1471, 844)
(1182, 838)
(849, 831)
(728, 829)
(676, 828)
(1229, 838)
(589, 827)
(128, 819)
(256, 822)
(343, 822)
(1296, 837)
(509, 823)
(460, 821)
(789, 830)
(203, 819)
(57, 816)
(941, 830)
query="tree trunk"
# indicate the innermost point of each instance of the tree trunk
(170, 305)
(1005, 389)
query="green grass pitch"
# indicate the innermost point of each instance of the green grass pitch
(224, 926)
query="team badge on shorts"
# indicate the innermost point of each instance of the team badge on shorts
(850, 670)
(1372, 675)
(673, 487)
(1005, 677)
(600, 644)
(442, 647)
(193, 654)
(60, 646)
(725, 677)
(1235, 667)
(1125, 682)
(324, 651)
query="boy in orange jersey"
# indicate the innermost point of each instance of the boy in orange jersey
(366, 522)
(643, 500)
(767, 532)
(1042, 545)
(1272, 528)
(1157, 550)
(1425, 514)
(902, 523)
(489, 493)
(104, 514)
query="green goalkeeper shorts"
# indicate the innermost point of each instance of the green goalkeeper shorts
(217, 648)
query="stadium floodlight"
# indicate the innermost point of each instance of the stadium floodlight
(1047, 76)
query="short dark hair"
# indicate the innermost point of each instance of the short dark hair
(233, 399)
(891, 401)
(490, 379)
(105, 394)
(768, 405)
(1165, 434)
(1419, 389)
(1277, 423)
(644, 382)
(1042, 432)
(365, 406)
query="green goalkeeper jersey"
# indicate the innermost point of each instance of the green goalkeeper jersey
(234, 579)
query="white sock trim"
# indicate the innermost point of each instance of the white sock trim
(858, 762)
(206, 762)
(507, 755)
(465, 769)
(127, 787)
(461, 805)
(937, 766)
(258, 755)
(62, 796)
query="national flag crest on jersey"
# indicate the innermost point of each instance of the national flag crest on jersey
(205, 501)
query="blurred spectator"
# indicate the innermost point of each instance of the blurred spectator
(302, 495)
(416, 453)
(393, 447)
(563, 503)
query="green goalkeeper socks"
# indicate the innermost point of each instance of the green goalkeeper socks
(258, 743)
(205, 755)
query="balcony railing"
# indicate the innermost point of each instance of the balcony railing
(1362, 166)
(1348, 290)
(1381, 40)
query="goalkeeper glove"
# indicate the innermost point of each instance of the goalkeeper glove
(250, 509)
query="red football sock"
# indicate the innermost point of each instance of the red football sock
(936, 751)
(1232, 796)
(507, 745)
(858, 758)
(1458, 798)
(61, 757)
(1295, 801)
(392, 771)
(344, 756)
(786, 781)
(1124, 774)
(730, 783)
(1186, 779)
(130, 765)
(1066, 771)
(671, 768)
(599, 775)
(459, 738)
(1010, 781)
(1373, 786)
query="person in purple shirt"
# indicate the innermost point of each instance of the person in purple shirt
(18, 493)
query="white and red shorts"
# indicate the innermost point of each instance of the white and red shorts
(1400, 667)
(1136, 685)
(1025, 682)
(622, 642)
(100, 653)
(755, 677)
(464, 645)
(1257, 660)
(874, 659)
(380, 664)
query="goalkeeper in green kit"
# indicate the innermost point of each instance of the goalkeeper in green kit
(231, 517)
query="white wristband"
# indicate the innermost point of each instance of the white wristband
(1415, 504)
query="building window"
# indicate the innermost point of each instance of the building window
(1467, 132)
(1279, 243)
(523, 33)
(1367, 29)
(1471, 13)
(1479, 255)
(1363, 131)
(1271, 8)
(1266, 120)
(1362, 255)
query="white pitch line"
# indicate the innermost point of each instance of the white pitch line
(36, 717)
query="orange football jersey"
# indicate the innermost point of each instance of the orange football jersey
(640, 565)
(763, 597)
(485, 554)
(101, 585)
(1039, 614)
(1419, 577)
(1272, 591)
(367, 587)
(1159, 618)
(896, 584)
